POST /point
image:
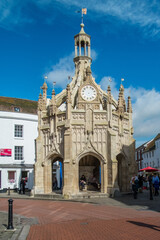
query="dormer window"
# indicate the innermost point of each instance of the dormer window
(16, 109)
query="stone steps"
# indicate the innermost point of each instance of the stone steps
(90, 195)
(49, 196)
(80, 195)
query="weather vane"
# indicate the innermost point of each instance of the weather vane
(45, 78)
(110, 79)
(122, 79)
(54, 83)
(83, 12)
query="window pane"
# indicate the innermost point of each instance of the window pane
(18, 131)
(11, 176)
(18, 153)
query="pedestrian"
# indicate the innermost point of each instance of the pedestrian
(82, 182)
(22, 186)
(155, 182)
(140, 179)
(135, 186)
(55, 183)
(150, 186)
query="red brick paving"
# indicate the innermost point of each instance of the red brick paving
(98, 229)
(75, 221)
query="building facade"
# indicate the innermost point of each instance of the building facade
(85, 129)
(151, 153)
(18, 128)
(138, 155)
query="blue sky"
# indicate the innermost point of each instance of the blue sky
(37, 38)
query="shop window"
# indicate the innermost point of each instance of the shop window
(18, 153)
(11, 176)
(18, 131)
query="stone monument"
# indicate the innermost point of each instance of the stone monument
(85, 129)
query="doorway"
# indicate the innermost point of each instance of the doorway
(90, 171)
(57, 175)
(122, 173)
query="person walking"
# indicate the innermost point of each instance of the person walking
(22, 186)
(135, 186)
(150, 186)
(155, 182)
(55, 184)
(140, 179)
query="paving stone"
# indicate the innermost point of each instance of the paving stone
(101, 218)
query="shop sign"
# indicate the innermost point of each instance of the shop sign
(5, 152)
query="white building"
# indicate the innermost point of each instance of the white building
(151, 154)
(18, 131)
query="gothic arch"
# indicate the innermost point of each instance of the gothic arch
(101, 165)
(49, 172)
(122, 171)
(92, 153)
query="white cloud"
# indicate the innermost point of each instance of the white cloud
(108, 80)
(146, 109)
(65, 67)
(60, 72)
(144, 14)
(93, 55)
(11, 13)
(146, 113)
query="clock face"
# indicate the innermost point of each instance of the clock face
(88, 93)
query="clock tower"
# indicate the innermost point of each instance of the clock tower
(85, 130)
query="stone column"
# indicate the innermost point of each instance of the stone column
(75, 50)
(115, 173)
(48, 177)
(105, 176)
(67, 189)
(79, 48)
(85, 49)
(89, 52)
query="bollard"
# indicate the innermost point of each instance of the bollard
(9, 191)
(10, 214)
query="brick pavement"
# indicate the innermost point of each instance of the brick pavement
(73, 220)
(124, 229)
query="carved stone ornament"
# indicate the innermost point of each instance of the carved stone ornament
(42, 164)
(90, 148)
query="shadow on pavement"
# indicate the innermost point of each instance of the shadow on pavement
(141, 224)
(142, 202)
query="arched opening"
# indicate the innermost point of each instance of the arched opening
(90, 171)
(82, 48)
(77, 48)
(122, 172)
(57, 175)
(87, 48)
